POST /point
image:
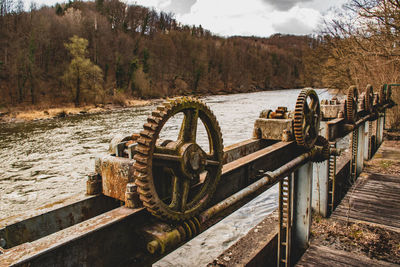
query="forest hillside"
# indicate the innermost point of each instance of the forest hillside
(106, 50)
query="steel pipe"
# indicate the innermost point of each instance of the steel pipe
(269, 179)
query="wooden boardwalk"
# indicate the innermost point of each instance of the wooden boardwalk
(373, 200)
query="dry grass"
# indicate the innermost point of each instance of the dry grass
(45, 112)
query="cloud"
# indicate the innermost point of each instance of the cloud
(297, 20)
(250, 17)
(229, 17)
(180, 6)
(284, 5)
(287, 27)
(253, 17)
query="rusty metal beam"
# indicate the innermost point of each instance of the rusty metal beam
(100, 241)
(52, 218)
(337, 128)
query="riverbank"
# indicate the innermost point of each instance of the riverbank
(32, 113)
(43, 112)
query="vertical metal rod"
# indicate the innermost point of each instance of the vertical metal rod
(369, 139)
(360, 149)
(285, 221)
(366, 140)
(332, 179)
(354, 148)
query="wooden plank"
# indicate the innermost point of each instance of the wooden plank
(324, 256)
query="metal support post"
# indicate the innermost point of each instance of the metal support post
(366, 140)
(320, 182)
(360, 150)
(320, 197)
(301, 210)
(379, 130)
(285, 220)
(370, 149)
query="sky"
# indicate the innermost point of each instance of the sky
(244, 17)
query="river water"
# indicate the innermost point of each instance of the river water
(47, 161)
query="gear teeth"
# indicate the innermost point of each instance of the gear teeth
(144, 150)
(147, 133)
(141, 158)
(144, 141)
(145, 195)
(157, 113)
(161, 108)
(142, 184)
(150, 126)
(140, 166)
(139, 175)
(351, 104)
(155, 120)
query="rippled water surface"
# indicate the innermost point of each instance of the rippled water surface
(45, 161)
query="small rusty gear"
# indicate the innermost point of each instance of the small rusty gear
(307, 117)
(324, 155)
(176, 179)
(351, 104)
(265, 113)
(369, 99)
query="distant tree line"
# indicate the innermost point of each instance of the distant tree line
(89, 52)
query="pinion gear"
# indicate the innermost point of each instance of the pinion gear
(351, 104)
(324, 155)
(307, 117)
(176, 179)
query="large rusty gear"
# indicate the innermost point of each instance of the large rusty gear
(176, 179)
(307, 117)
(369, 99)
(325, 153)
(351, 104)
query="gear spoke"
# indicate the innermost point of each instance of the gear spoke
(166, 159)
(307, 109)
(165, 150)
(185, 194)
(314, 105)
(188, 129)
(180, 193)
(175, 193)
